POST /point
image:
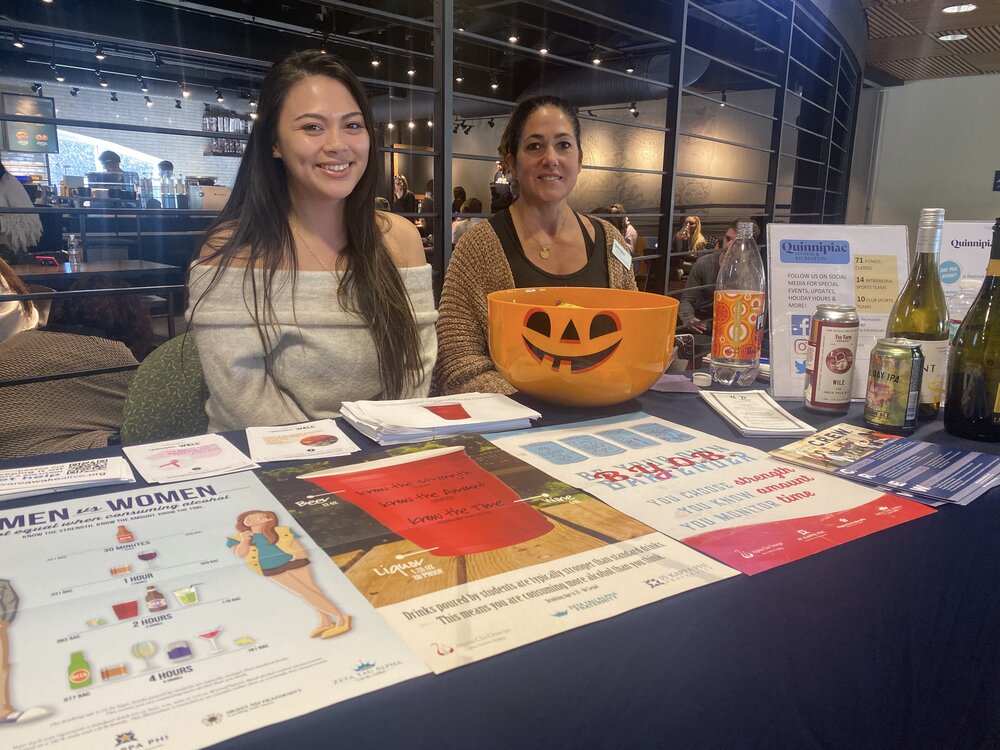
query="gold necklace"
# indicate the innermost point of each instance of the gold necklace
(545, 251)
(310, 250)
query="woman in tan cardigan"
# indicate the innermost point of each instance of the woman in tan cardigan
(538, 241)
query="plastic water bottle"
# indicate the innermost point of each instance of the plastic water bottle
(959, 305)
(738, 317)
(73, 252)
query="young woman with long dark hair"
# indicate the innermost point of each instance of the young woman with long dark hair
(304, 295)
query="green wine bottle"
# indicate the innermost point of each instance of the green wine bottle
(972, 405)
(921, 312)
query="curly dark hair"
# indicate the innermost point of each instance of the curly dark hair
(120, 317)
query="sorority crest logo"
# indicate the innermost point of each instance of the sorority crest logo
(125, 738)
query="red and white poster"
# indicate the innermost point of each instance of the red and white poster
(727, 500)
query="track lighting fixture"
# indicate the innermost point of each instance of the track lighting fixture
(467, 128)
(513, 37)
(142, 85)
(99, 51)
(37, 88)
(157, 60)
(56, 74)
(74, 91)
(177, 104)
(491, 122)
(184, 90)
(723, 102)
(149, 102)
(411, 69)
(101, 81)
(458, 76)
(253, 115)
(455, 128)
(219, 97)
(594, 57)
(376, 61)
(494, 84)
(390, 126)
(629, 67)
(411, 125)
(632, 110)
(114, 96)
(17, 41)
(430, 123)
(544, 49)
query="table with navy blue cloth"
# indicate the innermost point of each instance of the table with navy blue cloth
(890, 641)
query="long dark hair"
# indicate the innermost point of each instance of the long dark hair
(120, 317)
(13, 282)
(269, 532)
(510, 141)
(254, 226)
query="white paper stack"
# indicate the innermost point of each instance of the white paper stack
(39, 480)
(755, 414)
(415, 419)
(187, 458)
(319, 439)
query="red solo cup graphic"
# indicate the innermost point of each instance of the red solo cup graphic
(126, 610)
(440, 499)
(448, 411)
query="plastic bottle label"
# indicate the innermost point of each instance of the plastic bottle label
(935, 369)
(737, 328)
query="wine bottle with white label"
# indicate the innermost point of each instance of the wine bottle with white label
(972, 408)
(921, 312)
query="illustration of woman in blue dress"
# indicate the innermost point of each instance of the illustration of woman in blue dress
(274, 552)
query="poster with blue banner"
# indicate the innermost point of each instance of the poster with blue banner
(810, 264)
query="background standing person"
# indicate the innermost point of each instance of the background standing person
(403, 200)
(18, 232)
(459, 198)
(623, 225)
(304, 296)
(538, 241)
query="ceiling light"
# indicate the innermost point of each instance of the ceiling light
(723, 102)
(114, 96)
(99, 51)
(512, 38)
(430, 123)
(103, 83)
(17, 41)
(36, 88)
(952, 37)
(375, 60)
(629, 68)
(491, 122)
(410, 70)
(411, 125)
(467, 128)
(219, 97)
(184, 90)
(595, 58)
(494, 84)
(963, 8)
(47, 2)
(544, 49)
(74, 91)
(157, 60)
(632, 109)
(455, 128)
(149, 102)
(253, 115)
(459, 78)
(55, 72)
(177, 104)
(390, 126)
(142, 85)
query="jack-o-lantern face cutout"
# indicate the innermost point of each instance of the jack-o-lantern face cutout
(581, 353)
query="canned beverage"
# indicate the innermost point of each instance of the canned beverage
(833, 344)
(893, 393)
(117, 670)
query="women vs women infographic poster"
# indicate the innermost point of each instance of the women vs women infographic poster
(727, 500)
(176, 616)
(469, 552)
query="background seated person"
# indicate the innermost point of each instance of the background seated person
(76, 413)
(696, 308)
(14, 316)
(460, 226)
(538, 241)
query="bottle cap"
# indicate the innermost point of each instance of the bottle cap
(702, 379)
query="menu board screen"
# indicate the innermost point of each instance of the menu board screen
(27, 136)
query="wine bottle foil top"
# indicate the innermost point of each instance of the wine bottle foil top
(930, 218)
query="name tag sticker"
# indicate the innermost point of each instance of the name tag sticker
(622, 254)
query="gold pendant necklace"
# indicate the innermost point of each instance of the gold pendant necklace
(545, 251)
(310, 251)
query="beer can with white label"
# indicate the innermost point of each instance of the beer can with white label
(833, 345)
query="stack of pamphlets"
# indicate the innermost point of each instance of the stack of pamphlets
(833, 448)
(755, 414)
(415, 419)
(38, 480)
(187, 458)
(927, 472)
(319, 439)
